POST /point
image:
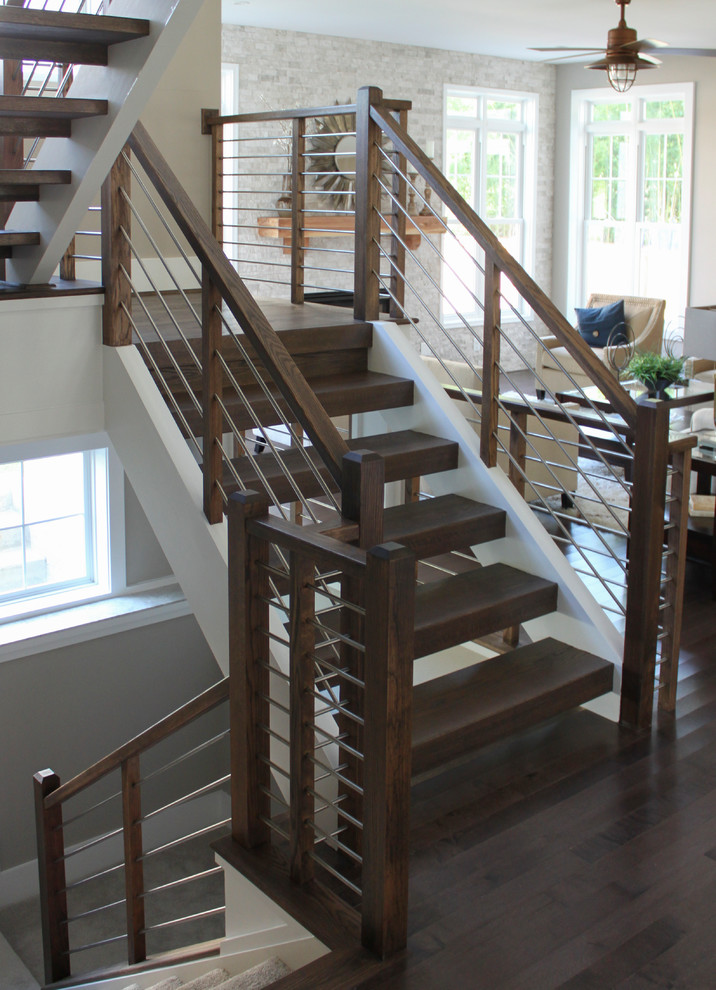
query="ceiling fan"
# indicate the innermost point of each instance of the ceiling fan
(626, 54)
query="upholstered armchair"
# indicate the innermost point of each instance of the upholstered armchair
(645, 320)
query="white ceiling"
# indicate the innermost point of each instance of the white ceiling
(490, 27)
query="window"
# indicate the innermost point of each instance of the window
(489, 157)
(631, 189)
(54, 530)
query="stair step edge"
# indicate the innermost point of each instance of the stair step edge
(462, 711)
(475, 603)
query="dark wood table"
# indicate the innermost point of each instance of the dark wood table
(701, 542)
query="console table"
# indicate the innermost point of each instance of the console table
(338, 225)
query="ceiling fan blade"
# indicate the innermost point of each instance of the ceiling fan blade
(578, 56)
(707, 52)
(566, 48)
(645, 45)
(649, 58)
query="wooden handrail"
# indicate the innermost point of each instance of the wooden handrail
(325, 550)
(305, 407)
(212, 119)
(533, 295)
(177, 719)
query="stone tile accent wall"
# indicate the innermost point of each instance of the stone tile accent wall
(283, 69)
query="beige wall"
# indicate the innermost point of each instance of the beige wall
(701, 71)
(173, 116)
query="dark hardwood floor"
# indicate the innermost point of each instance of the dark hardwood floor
(577, 855)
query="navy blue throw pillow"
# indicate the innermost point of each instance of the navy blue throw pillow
(596, 325)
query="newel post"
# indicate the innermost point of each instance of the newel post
(51, 866)
(646, 540)
(389, 624)
(367, 207)
(216, 132)
(211, 391)
(116, 254)
(133, 862)
(248, 671)
(302, 705)
(490, 364)
(298, 205)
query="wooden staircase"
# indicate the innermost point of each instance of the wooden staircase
(455, 713)
(55, 37)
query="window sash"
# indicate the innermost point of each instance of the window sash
(77, 576)
(637, 268)
(482, 128)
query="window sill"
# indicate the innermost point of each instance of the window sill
(139, 606)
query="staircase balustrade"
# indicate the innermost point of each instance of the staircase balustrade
(321, 696)
(93, 830)
(480, 318)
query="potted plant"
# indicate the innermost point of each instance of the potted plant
(656, 371)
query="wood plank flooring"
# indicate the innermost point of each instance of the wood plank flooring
(577, 855)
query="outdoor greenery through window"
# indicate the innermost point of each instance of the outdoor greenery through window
(631, 194)
(489, 158)
(53, 530)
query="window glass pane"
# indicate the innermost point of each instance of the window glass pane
(611, 111)
(503, 110)
(501, 175)
(10, 495)
(609, 168)
(462, 106)
(663, 170)
(608, 259)
(461, 162)
(460, 274)
(659, 261)
(54, 487)
(56, 552)
(663, 109)
(12, 575)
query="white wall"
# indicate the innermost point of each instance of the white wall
(702, 71)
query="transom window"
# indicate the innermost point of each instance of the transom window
(54, 542)
(489, 157)
(630, 206)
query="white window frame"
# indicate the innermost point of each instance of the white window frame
(108, 504)
(635, 127)
(527, 171)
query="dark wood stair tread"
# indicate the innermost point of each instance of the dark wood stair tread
(57, 108)
(466, 606)
(407, 454)
(34, 177)
(16, 238)
(438, 525)
(24, 184)
(361, 391)
(45, 116)
(63, 36)
(470, 708)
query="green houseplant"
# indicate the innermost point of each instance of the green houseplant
(655, 371)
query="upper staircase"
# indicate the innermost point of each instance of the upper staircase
(86, 106)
